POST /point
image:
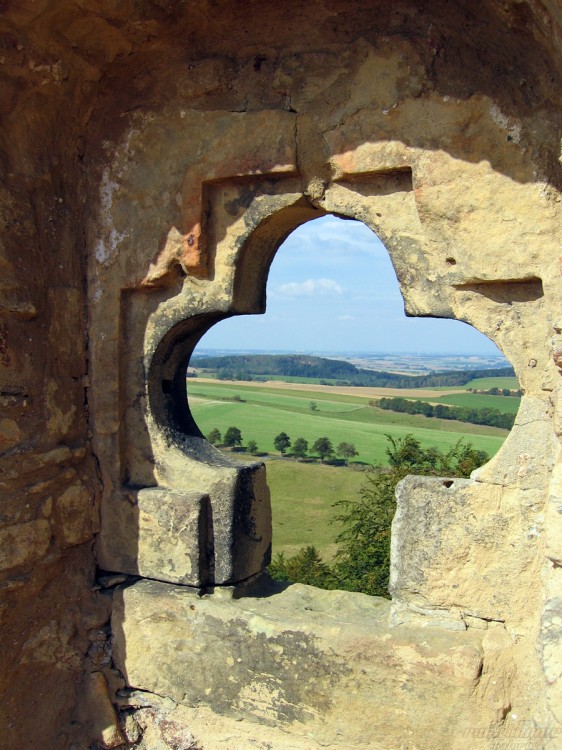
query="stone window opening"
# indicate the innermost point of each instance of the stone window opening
(190, 423)
(207, 579)
(171, 476)
(293, 652)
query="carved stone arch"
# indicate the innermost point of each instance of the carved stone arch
(180, 251)
(227, 537)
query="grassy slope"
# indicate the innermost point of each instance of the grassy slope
(507, 404)
(302, 498)
(486, 383)
(265, 414)
(265, 394)
(303, 495)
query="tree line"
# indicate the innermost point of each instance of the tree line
(263, 366)
(497, 392)
(486, 416)
(322, 447)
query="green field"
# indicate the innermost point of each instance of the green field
(302, 499)
(303, 494)
(507, 404)
(483, 384)
(266, 412)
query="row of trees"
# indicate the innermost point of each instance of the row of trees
(497, 392)
(322, 447)
(491, 417)
(362, 562)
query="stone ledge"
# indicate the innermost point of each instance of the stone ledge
(322, 665)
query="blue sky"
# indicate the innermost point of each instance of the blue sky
(332, 288)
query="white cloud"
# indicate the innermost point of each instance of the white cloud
(311, 287)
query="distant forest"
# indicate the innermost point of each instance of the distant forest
(262, 367)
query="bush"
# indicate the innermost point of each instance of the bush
(232, 437)
(281, 442)
(214, 437)
(252, 447)
(323, 447)
(304, 567)
(300, 448)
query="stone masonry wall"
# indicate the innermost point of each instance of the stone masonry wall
(154, 154)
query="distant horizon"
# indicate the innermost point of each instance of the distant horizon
(371, 352)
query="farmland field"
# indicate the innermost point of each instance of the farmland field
(302, 500)
(303, 494)
(263, 411)
(485, 383)
(508, 404)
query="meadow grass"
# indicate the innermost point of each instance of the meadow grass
(264, 393)
(303, 494)
(302, 499)
(484, 384)
(507, 404)
(264, 414)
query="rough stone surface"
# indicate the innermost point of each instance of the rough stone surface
(320, 665)
(163, 535)
(153, 157)
(105, 725)
(454, 539)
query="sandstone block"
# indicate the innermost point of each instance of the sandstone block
(76, 513)
(239, 504)
(104, 723)
(320, 664)
(10, 433)
(24, 543)
(452, 541)
(160, 534)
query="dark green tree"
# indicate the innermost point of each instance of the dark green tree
(323, 446)
(346, 451)
(300, 448)
(232, 437)
(305, 567)
(214, 437)
(281, 442)
(252, 447)
(313, 406)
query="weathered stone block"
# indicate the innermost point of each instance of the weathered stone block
(160, 534)
(323, 665)
(10, 433)
(77, 514)
(453, 540)
(242, 523)
(104, 723)
(24, 543)
(240, 508)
